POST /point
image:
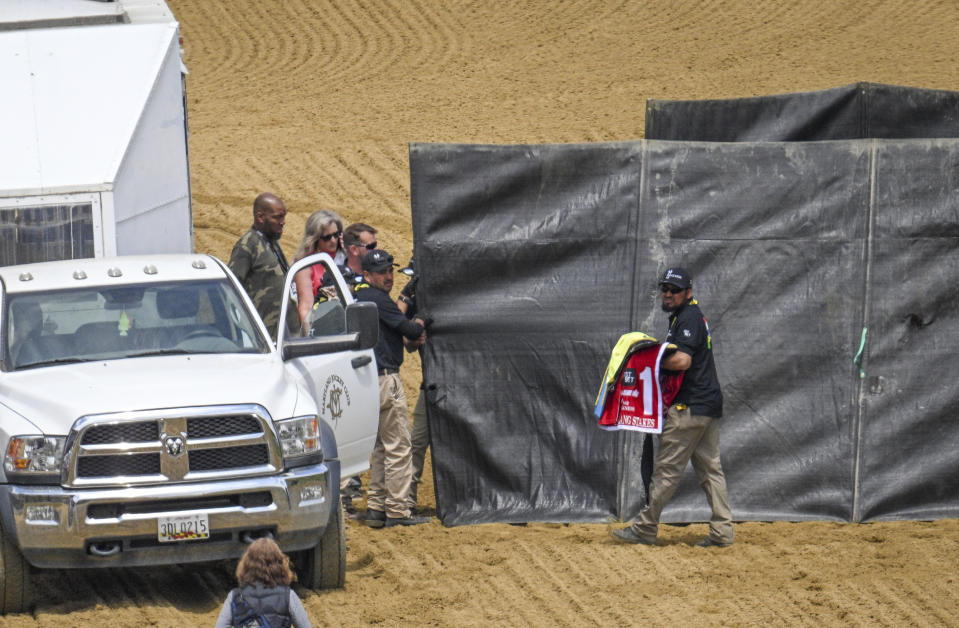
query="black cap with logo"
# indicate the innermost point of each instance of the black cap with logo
(377, 261)
(678, 277)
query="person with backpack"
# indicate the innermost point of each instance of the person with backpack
(263, 598)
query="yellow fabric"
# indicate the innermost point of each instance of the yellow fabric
(616, 358)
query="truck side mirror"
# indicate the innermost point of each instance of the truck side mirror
(363, 318)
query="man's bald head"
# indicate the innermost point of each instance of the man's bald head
(269, 215)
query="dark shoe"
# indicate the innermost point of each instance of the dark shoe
(375, 518)
(708, 542)
(628, 535)
(406, 521)
(348, 506)
(354, 488)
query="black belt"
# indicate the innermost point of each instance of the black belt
(388, 371)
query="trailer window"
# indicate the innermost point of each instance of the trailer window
(45, 233)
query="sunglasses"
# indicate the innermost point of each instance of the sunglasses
(670, 289)
(330, 236)
(369, 247)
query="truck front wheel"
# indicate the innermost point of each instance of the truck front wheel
(324, 566)
(14, 578)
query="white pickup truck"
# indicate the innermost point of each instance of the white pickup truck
(146, 418)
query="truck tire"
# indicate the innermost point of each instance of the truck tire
(324, 566)
(14, 578)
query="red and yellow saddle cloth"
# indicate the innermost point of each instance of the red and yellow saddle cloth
(635, 392)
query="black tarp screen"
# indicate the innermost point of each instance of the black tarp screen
(861, 110)
(534, 259)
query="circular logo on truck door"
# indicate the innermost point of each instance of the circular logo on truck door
(336, 397)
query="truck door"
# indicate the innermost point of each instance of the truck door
(344, 383)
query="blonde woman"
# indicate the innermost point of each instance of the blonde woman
(323, 234)
(264, 577)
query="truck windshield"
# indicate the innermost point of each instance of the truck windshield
(107, 323)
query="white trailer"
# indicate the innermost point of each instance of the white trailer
(93, 133)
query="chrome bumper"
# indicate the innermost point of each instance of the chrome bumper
(115, 527)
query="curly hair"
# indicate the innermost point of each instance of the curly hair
(315, 224)
(263, 562)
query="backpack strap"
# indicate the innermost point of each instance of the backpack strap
(241, 610)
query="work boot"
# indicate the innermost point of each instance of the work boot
(628, 535)
(405, 521)
(375, 518)
(348, 506)
(354, 488)
(708, 542)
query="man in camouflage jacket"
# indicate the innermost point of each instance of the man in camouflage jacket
(258, 261)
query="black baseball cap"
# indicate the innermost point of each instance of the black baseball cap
(377, 261)
(678, 277)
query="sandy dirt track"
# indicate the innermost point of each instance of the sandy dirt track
(317, 102)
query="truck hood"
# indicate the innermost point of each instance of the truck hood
(53, 398)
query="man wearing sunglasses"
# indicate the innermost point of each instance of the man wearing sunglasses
(391, 465)
(691, 428)
(358, 240)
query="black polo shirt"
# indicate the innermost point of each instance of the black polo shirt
(393, 326)
(700, 390)
(353, 278)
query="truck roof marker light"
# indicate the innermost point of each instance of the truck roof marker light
(149, 269)
(79, 275)
(198, 264)
(114, 272)
(26, 277)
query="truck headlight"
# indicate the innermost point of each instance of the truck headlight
(300, 440)
(32, 456)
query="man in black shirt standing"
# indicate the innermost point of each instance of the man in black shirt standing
(391, 466)
(691, 428)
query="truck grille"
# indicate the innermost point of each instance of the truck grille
(228, 458)
(141, 432)
(207, 427)
(110, 466)
(177, 445)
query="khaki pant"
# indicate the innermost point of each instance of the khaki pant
(688, 437)
(420, 441)
(390, 467)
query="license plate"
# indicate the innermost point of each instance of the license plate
(183, 528)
